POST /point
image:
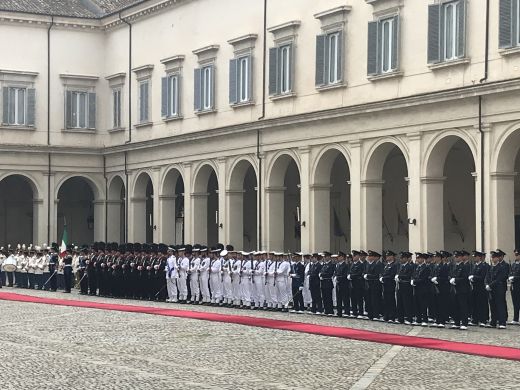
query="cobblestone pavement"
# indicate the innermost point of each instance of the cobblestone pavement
(55, 347)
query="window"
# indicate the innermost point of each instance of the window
(281, 70)
(383, 45)
(144, 90)
(170, 96)
(205, 88)
(116, 108)
(509, 23)
(446, 31)
(80, 110)
(329, 58)
(18, 105)
(240, 80)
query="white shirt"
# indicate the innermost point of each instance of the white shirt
(171, 270)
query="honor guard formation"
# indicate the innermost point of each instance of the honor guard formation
(438, 289)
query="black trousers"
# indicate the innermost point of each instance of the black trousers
(460, 312)
(405, 309)
(67, 275)
(92, 282)
(374, 299)
(357, 298)
(317, 303)
(53, 282)
(442, 298)
(326, 294)
(480, 313)
(297, 296)
(10, 278)
(342, 297)
(497, 303)
(389, 303)
(421, 304)
(515, 295)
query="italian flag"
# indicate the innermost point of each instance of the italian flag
(64, 239)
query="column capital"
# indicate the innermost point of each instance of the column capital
(432, 179)
(321, 187)
(414, 136)
(168, 197)
(304, 149)
(228, 191)
(199, 194)
(275, 189)
(38, 201)
(137, 199)
(486, 127)
(355, 143)
(372, 183)
(187, 164)
(115, 201)
(503, 175)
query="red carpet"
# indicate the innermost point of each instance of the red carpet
(491, 351)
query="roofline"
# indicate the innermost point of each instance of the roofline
(76, 17)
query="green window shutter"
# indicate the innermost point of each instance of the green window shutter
(68, 109)
(5, 105)
(395, 43)
(164, 97)
(197, 95)
(213, 85)
(233, 81)
(434, 37)
(91, 110)
(340, 64)
(505, 30)
(31, 106)
(461, 44)
(321, 41)
(292, 64)
(372, 48)
(273, 71)
(250, 78)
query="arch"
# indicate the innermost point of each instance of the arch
(238, 169)
(33, 183)
(242, 201)
(115, 183)
(169, 179)
(202, 175)
(438, 149)
(19, 208)
(96, 188)
(377, 155)
(278, 166)
(140, 183)
(116, 209)
(506, 149)
(322, 164)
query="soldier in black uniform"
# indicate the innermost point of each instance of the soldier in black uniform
(440, 278)
(92, 270)
(372, 274)
(405, 309)
(460, 289)
(297, 278)
(53, 268)
(514, 278)
(314, 284)
(496, 284)
(355, 276)
(421, 285)
(67, 272)
(388, 281)
(326, 284)
(342, 287)
(82, 272)
(480, 313)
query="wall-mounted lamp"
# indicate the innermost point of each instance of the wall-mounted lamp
(90, 222)
(412, 221)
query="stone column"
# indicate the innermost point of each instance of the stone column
(156, 174)
(99, 220)
(502, 209)
(222, 214)
(235, 219)
(413, 212)
(356, 204)
(305, 203)
(114, 220)
(200, 217)
(188, 215)
(137, 220)
(432, 228)
(372, 217)
(275, 218)
(167, 207)
(321, 220)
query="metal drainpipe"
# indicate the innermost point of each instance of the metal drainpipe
(49, 130)
(258, 156)
(126, 196)
(482, 165)
(106, 196)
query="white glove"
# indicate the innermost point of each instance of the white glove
(434, 280)
(365, 276)
(487, 287)
(292, 275)
(412, 282)
(381, 279)
(301, 288)
(470, 278)
(511, 278)
(452, 281)
(396, 278)
(349, 277)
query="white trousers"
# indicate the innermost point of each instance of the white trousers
(204, 287)
(272, 292)
(258, 295)
(215, 283)
(228, 288)
(281, 292)
(171, 285)
(245, 288)
(194, 287)
(183, 289)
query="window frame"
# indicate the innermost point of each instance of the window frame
(75, 110)
(516, 21)
(142, 120)
(285, 64)
(243, 79)
(117, 114)
(386, 56)
(453, 23)
(14, 101)
(173, 95)
(334, 63)
(206, 88)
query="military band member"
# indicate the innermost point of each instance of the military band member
(480, 314)
(514, 279)
(496, 285)
(67, 272)
(281, 282)
(31, 268)
(388, 281)
(216, 275)
(53, 269)
(194, 273)
(236, 269)
(38, 269)
(259, 280)
(204, 275)
(246, 281)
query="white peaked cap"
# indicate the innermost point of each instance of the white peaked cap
(223, 253)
